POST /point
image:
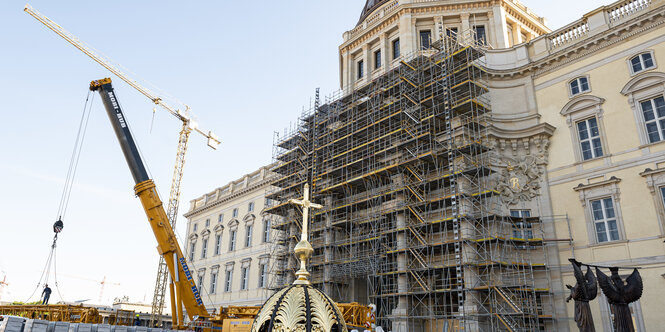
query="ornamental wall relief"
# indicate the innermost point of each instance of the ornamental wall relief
(519, 164)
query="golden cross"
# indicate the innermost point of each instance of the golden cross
(306, 205)
(303, 249)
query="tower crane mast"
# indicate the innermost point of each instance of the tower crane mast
(188, 126)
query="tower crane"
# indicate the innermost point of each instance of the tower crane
(188, 126)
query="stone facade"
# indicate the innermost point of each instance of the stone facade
(229, 242)
(577, 128)
(390, 31)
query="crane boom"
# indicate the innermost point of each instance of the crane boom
(167, 243)
(188, 125)
(184, 116)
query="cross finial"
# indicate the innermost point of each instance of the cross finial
(303, 249)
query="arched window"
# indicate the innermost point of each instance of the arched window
(642, 62)
(578, 86)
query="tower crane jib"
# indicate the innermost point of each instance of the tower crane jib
(188, 126)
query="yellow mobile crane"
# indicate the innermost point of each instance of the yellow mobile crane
(186, 291)
(188, 125)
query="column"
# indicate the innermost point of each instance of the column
(465, 34)
(367, 59)
(517, 33)
(406, 34)
(499, 26)
(385, 50)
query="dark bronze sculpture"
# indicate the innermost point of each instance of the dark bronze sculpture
(585, 290)
(620, 295)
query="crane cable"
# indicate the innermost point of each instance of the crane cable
(64, 199)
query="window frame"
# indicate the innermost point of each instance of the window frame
(475, 34)
(250, 207)
(233, 234)
(192, 250)
(579, 109)
(228, 280)
(421, 43)
(578, 80)
(377, 59)
(248, 235)
(213, 282)
(204, 248)
(658, 120)
(266, 230)
(207, 223)
(396, 48)
(218, 244)
(263, 275)
(360, 69)
(590, 139)
(601, 190)
(605, 220)
(220, 218)
(646, 85)
(655, 181)
(643, 69)
(244, 278)
(235, 213)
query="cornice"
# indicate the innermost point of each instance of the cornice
(539, 129)
(263, 183)
(587, 47)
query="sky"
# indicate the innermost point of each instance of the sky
(245, 68)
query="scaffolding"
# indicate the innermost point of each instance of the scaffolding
(411, 220)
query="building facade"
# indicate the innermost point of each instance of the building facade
(472, 152)
(229, 242)
(598, 81)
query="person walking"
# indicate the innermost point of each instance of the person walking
(137, 321)
(46, 294)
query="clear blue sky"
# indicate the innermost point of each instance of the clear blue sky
(246, 68)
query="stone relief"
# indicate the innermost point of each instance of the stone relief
(520, 174)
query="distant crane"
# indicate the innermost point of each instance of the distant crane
(188, 125)
(3, 283)
(101, 289)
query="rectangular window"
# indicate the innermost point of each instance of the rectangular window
(204, 249)
(396, 50)
(218, 244)
(377, 59)
(250, 207)
(522, 229)
(605, 220)
(654, 118)
(662, 194)
(266, 230)
(235, 213)
(520, 213)
(248, 236)
(200, 284)
(361, 69)
(263, 274)
(227, 281)
(232, 240)
(192, 246)
(245, 278)
(220, 218)
(589, 136)
(196, 227)
(425, 39)
(481, 35)
(213, 282)
(207, 223)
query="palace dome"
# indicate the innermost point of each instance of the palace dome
(370, 6)
(299, 307)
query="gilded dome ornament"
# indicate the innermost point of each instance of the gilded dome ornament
(300, 307)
